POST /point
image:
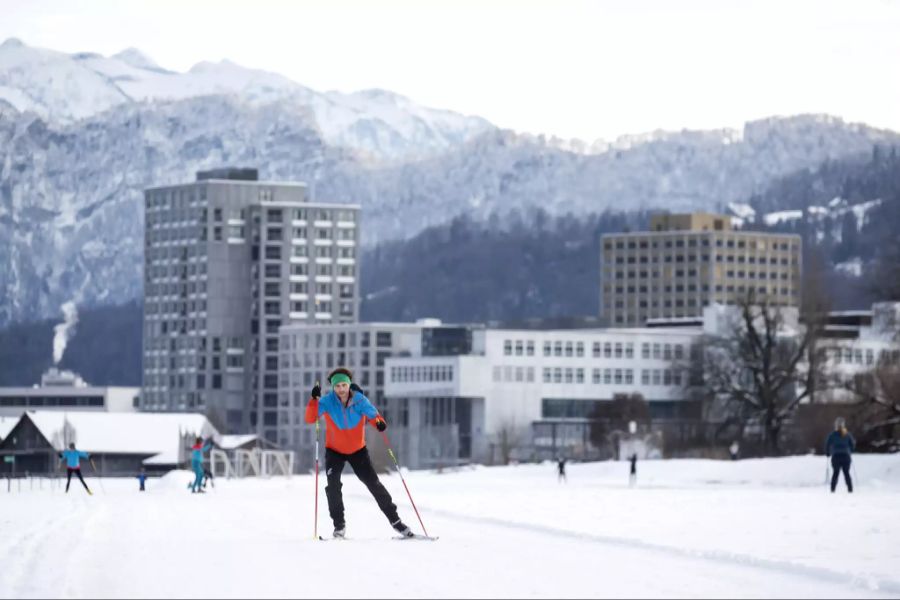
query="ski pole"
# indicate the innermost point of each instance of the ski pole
(100, 479)
(397, 464)
(855, 476)
(316, 516)
(316, 523)
(826, 473)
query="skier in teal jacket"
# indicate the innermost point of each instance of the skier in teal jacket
(73, 457)
(197, 451)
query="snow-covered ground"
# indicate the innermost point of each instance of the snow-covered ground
(691, 528)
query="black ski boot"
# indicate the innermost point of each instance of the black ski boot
(402, 529)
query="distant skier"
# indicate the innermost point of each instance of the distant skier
(840, 446)
(142, 479)
(197, 451)
(561, 467)
(632, 477)
(347, 410)
(734, 450)
(73, 465)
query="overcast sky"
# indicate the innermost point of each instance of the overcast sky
(567, 68)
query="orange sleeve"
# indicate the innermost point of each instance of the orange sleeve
(312, 410)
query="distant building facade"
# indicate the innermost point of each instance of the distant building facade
(687, 262)
(228, 261)
(66, 391)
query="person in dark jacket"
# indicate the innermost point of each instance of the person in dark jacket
(632, 477)
(561, 467)
(840, 446)
(142, 479)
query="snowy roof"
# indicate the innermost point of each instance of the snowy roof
(6, 425)
(123, 433)
(230, 442)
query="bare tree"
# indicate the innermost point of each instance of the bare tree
(609, 421)
(760, 370)
(507, 439)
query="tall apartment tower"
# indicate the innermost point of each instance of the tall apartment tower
(228, 260)
(686, 262)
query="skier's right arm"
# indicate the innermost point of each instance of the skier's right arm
(828, 445)
(313, 410)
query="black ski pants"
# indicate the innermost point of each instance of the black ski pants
(362, 466)
(69, 478)
(841, 462)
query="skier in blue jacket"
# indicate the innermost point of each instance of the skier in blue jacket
(840, 446)
(142, 479)
(197, 451)
(73, 457)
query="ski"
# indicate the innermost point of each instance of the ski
(425, 538)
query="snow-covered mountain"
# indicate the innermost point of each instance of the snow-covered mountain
(71, 220)
(81, 137)
(382, 126)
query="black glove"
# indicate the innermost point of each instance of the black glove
(316, 392)
(355, 388)
(380, 424)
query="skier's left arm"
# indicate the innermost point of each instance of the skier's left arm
(368, 409)
(852, 441)
(84, 455)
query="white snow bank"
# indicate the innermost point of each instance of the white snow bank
(783, 216)
(744, 211)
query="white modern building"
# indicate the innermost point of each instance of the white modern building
(66, 391)
(515, 381)
(857, 342)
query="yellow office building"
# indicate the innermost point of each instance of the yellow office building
(686, 262)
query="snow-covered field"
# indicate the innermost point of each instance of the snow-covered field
(764, 528)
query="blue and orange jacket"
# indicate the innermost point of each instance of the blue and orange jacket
(345, 428)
